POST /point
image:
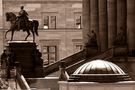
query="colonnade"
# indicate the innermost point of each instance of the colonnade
(108, 18)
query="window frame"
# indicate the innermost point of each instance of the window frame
(77, 42)
(49, 15)
(77, 15)
(48, 53)
(50, 42)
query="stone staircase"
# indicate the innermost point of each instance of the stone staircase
(74, 61)
(68, 61)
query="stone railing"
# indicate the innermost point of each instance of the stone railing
(68, 61)
(106, 55)
(74, 61)
(21, 81)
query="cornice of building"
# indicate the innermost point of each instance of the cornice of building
(44, 1)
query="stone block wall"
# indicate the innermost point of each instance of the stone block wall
(64, 10)
(63, 39)
(96, 86)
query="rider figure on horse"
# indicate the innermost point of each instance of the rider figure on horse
(23, 18)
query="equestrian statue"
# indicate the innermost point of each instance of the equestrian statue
(22, 22)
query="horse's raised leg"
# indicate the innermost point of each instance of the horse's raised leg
(6, 33)
(28, 32)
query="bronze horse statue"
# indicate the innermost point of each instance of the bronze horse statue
(32, 26)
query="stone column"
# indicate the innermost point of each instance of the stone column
(94, 18)
(94, 15)
(1, 13)
(121, 15)
(122, 21)
(86, 20)
(131, 24)
(112, 21)
(103, 32)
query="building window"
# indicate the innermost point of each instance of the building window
(49, 54)
(46, 22)
(77, 45)
(78, 20)
(78, 23)
(53, 22)
(49, 22)
(50, 50)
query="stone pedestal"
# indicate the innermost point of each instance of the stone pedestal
(28, 58)
(120, 51)
(91, 51)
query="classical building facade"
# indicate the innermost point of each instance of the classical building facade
(114, 23)
(60, 26)
(109, 18)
